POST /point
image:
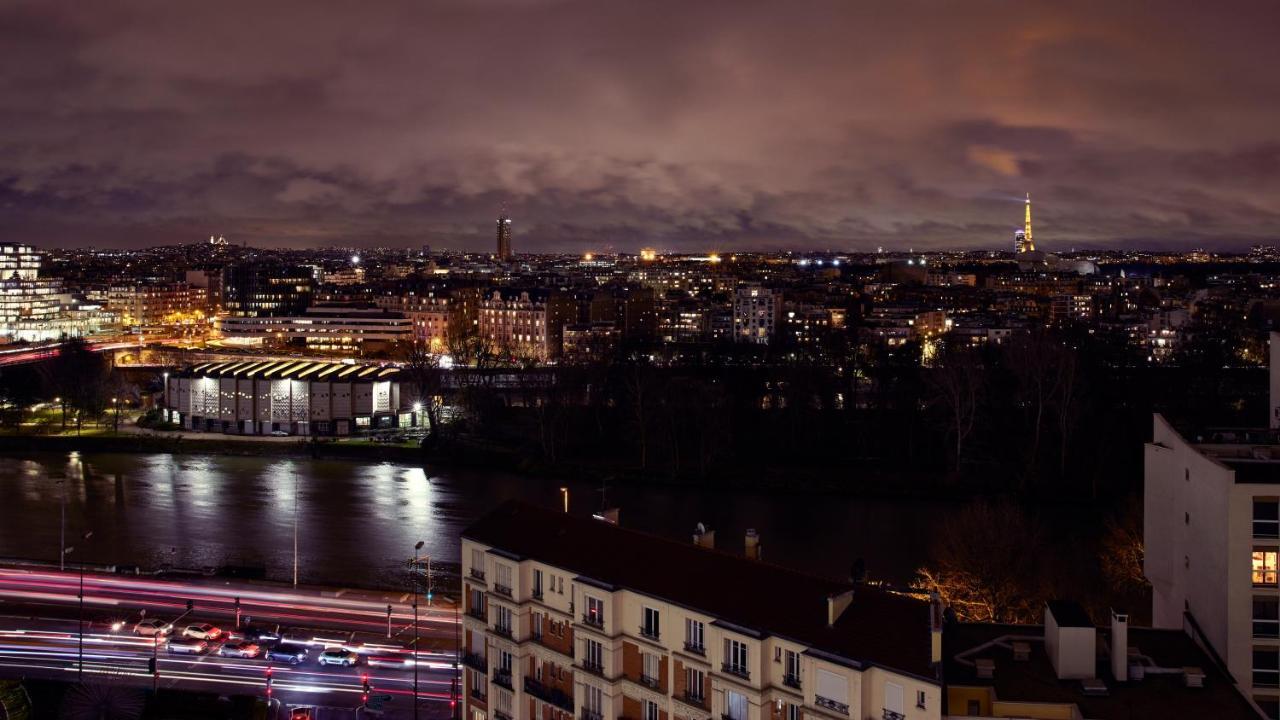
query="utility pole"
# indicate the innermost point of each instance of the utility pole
(295, 528)
(80, 651)
(62, 528)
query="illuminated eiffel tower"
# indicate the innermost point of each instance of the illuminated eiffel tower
(1022, 241)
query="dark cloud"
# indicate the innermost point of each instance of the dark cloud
(719, 124)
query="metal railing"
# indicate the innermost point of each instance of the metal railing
(738, 670)
(696, 699)
(648, 632)
(792, 681)
(478, 694)
(589, 715)
(502, 630)
(475, 661)
(593, 667)
(695, 649)
(502, 589)
(893, 715)
(503, 678)
(594, 621)
(477, 574)
(649, 682)
(479, 613)
(830, 704)
(549, 694)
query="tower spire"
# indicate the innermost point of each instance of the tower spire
(1028, 245)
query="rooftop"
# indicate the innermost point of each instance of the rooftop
(292, 369)
(1157, 695)
(878, 628)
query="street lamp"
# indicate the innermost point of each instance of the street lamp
(164, 398)
(115, 405)
(62, 527)
(414, 581)
(565, 492)
(63, 409)
(295, 529)
(80, 643)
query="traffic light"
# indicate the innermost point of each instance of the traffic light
(151, 665)
(364, 696)
(191, 605)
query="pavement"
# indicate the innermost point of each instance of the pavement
(40, 637)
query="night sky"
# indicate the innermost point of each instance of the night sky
(689, 125)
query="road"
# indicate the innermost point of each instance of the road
(40, 638)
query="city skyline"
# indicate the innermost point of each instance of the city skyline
(725, 127)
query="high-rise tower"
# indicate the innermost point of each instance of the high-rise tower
(504, 237)
(1022, 241)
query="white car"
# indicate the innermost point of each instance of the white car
(153, 627)
(339, 656)
(239, 648)
(185, 646)
(204, 631)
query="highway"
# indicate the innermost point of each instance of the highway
(39, 638)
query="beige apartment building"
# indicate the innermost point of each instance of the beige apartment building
(570, 616)
(1212, 537)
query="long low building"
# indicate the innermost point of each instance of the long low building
(301, 397)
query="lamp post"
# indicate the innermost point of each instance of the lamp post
(414, 581)
(115, 406)
(295, 529)
(63, 408)
(80, 641)
(164, 398)
(62, 528)
(565, 492)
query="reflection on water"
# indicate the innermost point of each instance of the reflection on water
(358, 522)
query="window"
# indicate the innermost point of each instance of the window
(650, 710)
(693, 635)
(693, 684)
(649, 664)
(477, 603)
(503, 703)
(649, 628)
(502, 583)
(594, 656)
(593, 699)
(504, 661)
(503, 622)
(1266, 667)
(477, 714)
(893, 699)
(735, 705)
(560, 585)
(920, 698)
(1266, 617)
(595, 610)
(831, 690)
(477, 563)
(792, 668)
(735, 657)
(1266, 517)
(793, 712)
(537, 583)
(1264, 567)
(535, 624)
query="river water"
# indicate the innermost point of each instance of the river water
(358, 521)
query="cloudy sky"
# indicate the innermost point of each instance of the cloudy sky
(687, 125)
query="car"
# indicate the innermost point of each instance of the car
(203, 631)
(187, 646)
(279, 433)
(302, 713)
(239, 648)
(339, 656)
(388, 661)
(258, 634)
(291, 654)
(152, 627)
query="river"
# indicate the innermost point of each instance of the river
(360, 520)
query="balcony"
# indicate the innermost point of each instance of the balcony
(549, 694)
(893, 715)
(595, 668)
(500, 715)
(478, 694)
(791, 681)
(478, 614)
(477, 574)
(649, 632)
(738, 670)
(537, 595)
(502, 590)
(589, 715)
(696, 649)
(502, 631)
(476, 661)
(831, 705)
(649, 682)
(694, 699)
(594, 621)
(503, 678)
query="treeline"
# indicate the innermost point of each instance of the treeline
(79, 383)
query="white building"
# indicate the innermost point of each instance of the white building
(325, 328)
(757, 314)
(31, 307)
(572, 617)
(1212, 536)
(296, 397)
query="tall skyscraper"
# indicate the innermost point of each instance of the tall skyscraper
(504, 237)
(1022, 241)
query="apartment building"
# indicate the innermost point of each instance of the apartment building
(1212, 534)
(525, 322)
(757, 314)
(154, 304)
(345, 328)
(569, 617)
(429, 314)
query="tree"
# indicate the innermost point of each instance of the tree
(957, 384)
(81, 378)
(423, 369)
(1122, 551)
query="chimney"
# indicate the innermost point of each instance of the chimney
(836, 605)
(1070, 639)
(702, 537)
(1119, 645)
(935, 628)
(752, 548)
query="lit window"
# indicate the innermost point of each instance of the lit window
(1264, 568)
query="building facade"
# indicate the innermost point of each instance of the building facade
(526, 323)
(31, 307)
(325, 328)
(757, 314)
(576, 617)
(151, 305)
(266, 289)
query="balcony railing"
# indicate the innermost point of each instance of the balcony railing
(649, 632)
(696, 649)
(537, 594)
(503, 678)
(593, 667)
(791, 681)
(478, 613)
(478, 694)
(500, 715)
(893, 715)
(502, 630)
(594, 621)
(477, 574)
(830, 704)
(502, 589)
(649, 681)
(549, 694)
(475, 661)
(695, 699)
(589, 715)
(738, 670)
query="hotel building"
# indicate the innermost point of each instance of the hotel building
(569, 617)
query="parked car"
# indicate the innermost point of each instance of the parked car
(339, 656)
(187, 646)
(203, 631)
(279, 433)
(152, 627)
(240, 648)
(292, 654)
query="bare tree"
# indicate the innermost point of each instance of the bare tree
(425, 372)
(957, 384)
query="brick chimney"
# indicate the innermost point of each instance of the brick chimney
(752, 544)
